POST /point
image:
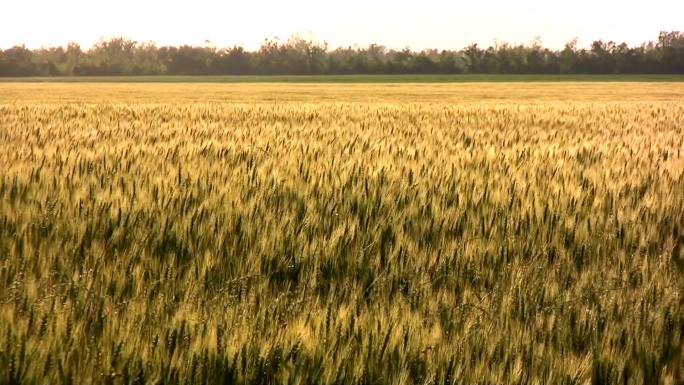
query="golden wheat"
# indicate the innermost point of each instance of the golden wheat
(407, 234)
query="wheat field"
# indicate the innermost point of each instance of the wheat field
(342, 234)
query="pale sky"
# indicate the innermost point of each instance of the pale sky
(395, 24)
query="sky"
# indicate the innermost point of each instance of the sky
(395, 24)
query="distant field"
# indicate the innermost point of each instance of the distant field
(482, 233)
(353, 79)
(267, 93)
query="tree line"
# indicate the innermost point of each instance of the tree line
(300, 56)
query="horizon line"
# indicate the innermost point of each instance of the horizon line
(208, 43)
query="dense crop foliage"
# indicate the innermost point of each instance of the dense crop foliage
(378, 242)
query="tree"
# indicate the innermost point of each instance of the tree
(17, 61)
(188, 60)
(473, 58)
(670, 51)
(299, 55)
(233, 61)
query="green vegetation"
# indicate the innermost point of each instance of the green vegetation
(464, 78)
(366, 242)
(298, 56)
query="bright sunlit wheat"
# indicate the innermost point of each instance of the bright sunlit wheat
(358, 238)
